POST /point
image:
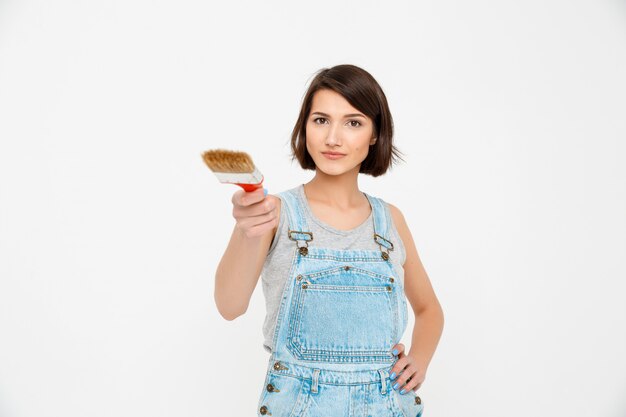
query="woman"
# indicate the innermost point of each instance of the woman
(338, 266)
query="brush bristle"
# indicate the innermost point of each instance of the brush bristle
(223, 160)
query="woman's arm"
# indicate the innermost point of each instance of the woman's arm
(241, 265)
(419, 291)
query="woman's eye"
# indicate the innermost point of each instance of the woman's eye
(322, 120)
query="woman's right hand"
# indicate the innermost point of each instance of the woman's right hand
(254, 212)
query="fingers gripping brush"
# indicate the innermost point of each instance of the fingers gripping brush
(234, 167)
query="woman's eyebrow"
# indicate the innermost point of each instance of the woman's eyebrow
(347, 115)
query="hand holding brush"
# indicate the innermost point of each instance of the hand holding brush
(254, 212)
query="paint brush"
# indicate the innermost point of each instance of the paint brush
(234, 167)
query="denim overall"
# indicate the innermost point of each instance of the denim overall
(341, 312)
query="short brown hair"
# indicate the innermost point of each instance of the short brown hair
(362, 91)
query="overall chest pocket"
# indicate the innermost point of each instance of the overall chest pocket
(344, 314)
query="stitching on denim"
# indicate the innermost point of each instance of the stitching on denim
(304, 378)
(344, 288)
(294, 343)
(348, 258)
(301, 397)
(352, 270)
(396, 400)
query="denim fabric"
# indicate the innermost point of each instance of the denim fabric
(341, 312)
(277, 265)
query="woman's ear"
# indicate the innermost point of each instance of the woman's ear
(372, 141)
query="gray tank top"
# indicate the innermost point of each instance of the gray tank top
(278, 261)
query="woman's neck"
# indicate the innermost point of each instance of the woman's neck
(337, 191)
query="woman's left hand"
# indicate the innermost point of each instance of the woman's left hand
(406, 369)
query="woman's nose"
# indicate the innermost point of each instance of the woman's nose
(332, 138)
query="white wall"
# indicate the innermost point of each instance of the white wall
(511, 115)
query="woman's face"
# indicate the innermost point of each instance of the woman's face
(335, 126)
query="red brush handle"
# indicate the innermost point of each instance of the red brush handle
(250, 187)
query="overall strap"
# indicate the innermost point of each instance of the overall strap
(298, 228)
(382, 225)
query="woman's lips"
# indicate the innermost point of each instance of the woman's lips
(332, 155)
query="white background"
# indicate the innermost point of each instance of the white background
(512, 119)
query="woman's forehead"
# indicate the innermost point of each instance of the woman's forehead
(330, 103)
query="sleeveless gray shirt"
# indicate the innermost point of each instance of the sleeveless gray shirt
(278, 261)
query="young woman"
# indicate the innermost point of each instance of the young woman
(337, 267)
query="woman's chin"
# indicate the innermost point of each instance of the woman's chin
(333, 171)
